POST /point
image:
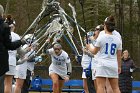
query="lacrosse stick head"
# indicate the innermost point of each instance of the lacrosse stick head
(29, 38)
(56, 17)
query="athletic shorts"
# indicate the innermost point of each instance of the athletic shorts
(12, 70)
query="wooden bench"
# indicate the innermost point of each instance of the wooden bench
(136, 84)
(70, 86)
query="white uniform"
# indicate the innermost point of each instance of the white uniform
(114, 33)
(86, 61)
(12, 56)
(94, 62)
(21, 70)
(107, 65)
(58, 64)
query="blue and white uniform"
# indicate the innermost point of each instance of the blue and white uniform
(88, 61)
(58, 64)
(107, 64)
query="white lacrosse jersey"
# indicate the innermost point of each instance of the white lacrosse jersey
(58, 64)
(114, 33)
(12, 53)
(117, 34)
(107, 56)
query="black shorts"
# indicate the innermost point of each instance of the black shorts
(60, 78)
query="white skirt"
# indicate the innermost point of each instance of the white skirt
(12, 70)
(21, 71)
(106, 71)
(106, 68)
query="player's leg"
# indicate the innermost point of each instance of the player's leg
(8, 83)
(26, 84)
(61, 84)
(108, 87)
(19, 84)
(20, 76)
(8, 79)
(55, 79)
(100, 81)
(114, 84)
(85, 86)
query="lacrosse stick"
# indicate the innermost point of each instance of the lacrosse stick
(67, 40)
(50, 35)
(67, 27)
(74, 16)
(34, 23)
(53, 27)
(62, 12)
(66, 24)
(44, 12)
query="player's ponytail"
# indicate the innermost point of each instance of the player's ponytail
(110, 23)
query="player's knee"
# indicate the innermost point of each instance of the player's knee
(18, 85)
(115, 88)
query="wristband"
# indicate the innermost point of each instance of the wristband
(69, 73)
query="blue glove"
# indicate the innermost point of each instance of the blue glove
(78, 58)
(88, 72)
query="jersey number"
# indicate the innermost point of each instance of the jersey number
(111, 50)
(58, 63)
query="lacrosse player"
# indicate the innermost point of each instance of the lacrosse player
(60, 68)
(109, 47)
